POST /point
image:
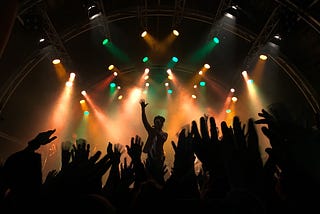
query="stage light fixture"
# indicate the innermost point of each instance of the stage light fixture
(175, 59)
(216, 40)
(145, 59)
(93, 10)
(144, 33)
(175, 32)
(56, 61)
(105, 41)
(263, 57)
(231, 12)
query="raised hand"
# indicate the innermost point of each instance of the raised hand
(127, 173)
(80, 151)
(207, 146)
(242, 156)
(135, 149)
(184, 156)
(42, 138)
(143, 103)
(66, 148)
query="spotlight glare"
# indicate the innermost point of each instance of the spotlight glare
(146, 70)
(112, 85)
(86, 112)
(145, 59)
(175, 32)
(84, 93)
(82, 101)
(120, 97)
(216, 40)
(72, 77)
(207, 66)
(195, 86)
(146, 77)
(244, 73)
(69, 84)
(263, 57)
(232, 90)
(194, 96)
(234, 99)
(143, 34)
(175, 59)
(170, 77)
(200, 72)
(170, 91)
(169, 71)
(202, 83)
(56, 61)
(228, 111)
(147, 84)
(105, 41)
(115, 73)
(111, 67)
(166, 84)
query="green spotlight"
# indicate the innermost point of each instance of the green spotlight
(112, 85)
(105, 41)
(202, 83)
(170, 91)
(86, 112)
(145, 59)
(216, 40)
(175, 59)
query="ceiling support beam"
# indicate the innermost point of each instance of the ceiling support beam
(178, 13)
(263, 37)
(309, 19)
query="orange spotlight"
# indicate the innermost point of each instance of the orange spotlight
(263, 57)
(56, 61)
(175, 32)
(72, 77)
(69, 84)
(111, 67)
(143, 34)
(207, 66)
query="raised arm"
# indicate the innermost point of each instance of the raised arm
(144, 116)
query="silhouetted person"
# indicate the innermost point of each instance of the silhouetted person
(156, 136)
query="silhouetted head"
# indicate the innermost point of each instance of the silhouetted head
(158, 121)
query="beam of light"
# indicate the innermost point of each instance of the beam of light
(62, 109)
(223, 115)
(102, 123)
(152, 42)
(103, 84)
(214, 87)
(172, 62)
(255, 98)
(230, 113)
(82, 129)
(201, 53)
(159, 46)
(258, 70)
(60, 72)
(84, 105)
(119, 54)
